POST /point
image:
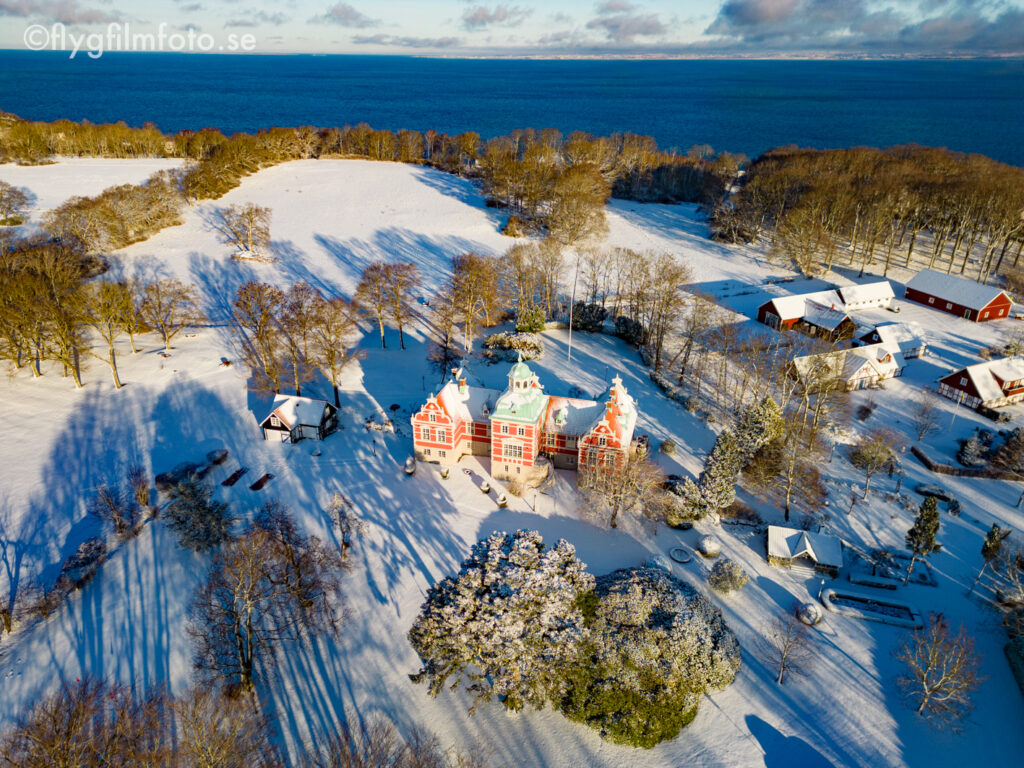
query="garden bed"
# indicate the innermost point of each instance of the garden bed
(868, 607)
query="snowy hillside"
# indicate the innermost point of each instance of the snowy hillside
(330, 219)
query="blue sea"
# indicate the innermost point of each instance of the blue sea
(738, 106)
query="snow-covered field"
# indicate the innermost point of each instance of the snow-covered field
(330, 219)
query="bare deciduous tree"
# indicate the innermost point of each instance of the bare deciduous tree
(245, 226)
(217, 731)
(873, 452)
(373, 294)
(379, 745)
(347, 521)
(941, 672)
(107, 305)
(255, 311)
(335, 323)
(635, 485)
(169, 306)
(403, 279)
(925, 414)
(784, 645)
(116, 506)
(13, 204)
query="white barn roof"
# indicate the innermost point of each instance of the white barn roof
(800, 305)
(958, 290)
(868, 293)
(982, 376)
(790, 543)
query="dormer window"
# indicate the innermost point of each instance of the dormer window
(433, 417)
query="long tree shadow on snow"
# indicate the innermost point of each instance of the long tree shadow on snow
(784, 751)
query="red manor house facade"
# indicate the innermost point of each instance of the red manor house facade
(523, 430)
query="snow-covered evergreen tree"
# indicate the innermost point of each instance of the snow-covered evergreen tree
(199, 522)
(509, 623)
(654, 647)
(758, 424)
(715, 489)
(972, 452)
(921, 536)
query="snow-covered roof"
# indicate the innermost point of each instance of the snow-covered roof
(618, 403)
(293, 411)
(570, 416)
(959, 290)
(790, 543)
(845, 364)
(868, 292)
(797, 305)
(906, 335)
(982, 376)
(471, 404)
(824, 316)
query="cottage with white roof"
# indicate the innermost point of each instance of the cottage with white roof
(296, 418)
(958, 296)
(906, 338)
(789, 546)
(523, 429)
(855, 368)
(991, 384)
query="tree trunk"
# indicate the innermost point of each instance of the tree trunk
(910, 569)
(337, 397)
(380, 323)
(113, 367)
(401, 335)
(977, 578)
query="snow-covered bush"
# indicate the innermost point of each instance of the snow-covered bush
(727, 576)
(508, 345)
(509, 623)
(809, 613)
(708, 546)
(971, 453)
(530, 319)
(588, 317)
(83, 564)
(668, 447)
(631, 331)
(654, 647)
(199, 522)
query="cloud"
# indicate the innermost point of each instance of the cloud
(621, 23)
(192, 7)
(501, 15)
(63, 11)
(344, 15)
(407, 42)
(256, 18)
(904, 26)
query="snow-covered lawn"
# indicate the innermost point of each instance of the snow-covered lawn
(330, 219)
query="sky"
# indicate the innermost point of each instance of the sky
(580, 28)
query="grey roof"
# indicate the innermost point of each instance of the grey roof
(790, 543)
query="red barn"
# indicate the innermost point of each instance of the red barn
(992, 384)
(816, 314)
(958, 296)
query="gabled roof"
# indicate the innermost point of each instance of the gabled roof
(822, 316)
(844, 364)
(981, 376)
(958, 290)
(797, 305)
(619, 411)
(790, 543)
(571, 416)
(471, 404)
(906, 335)
(293, 411)
(856, 294)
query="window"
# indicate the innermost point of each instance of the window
(963, 381)
(504, 429)
(984, 314)
(513, 451)
(425, 433)
(601, 441)
(519, 470)
(442, 436)
(949, 305)
(427, 452)
(931, 299)
(1001, 312)
(442, 454)
(522, 431)
(275, 422)
(433, 418)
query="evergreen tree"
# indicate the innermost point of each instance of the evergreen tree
(510, 621)
(971, 453)
(921, 536)
(199, 522)
(758, 424)
(716, 487)
(990, 549)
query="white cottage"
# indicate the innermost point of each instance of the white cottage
(296, 418)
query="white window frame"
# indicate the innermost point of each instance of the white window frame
(931, 299)
(424, 433)
(512, 451)
(275, 422)
(963, 381)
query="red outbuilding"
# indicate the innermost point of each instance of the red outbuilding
(958, 296)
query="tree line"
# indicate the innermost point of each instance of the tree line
(892, 207)
(51, 313)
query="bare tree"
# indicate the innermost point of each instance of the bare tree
(117, 507)
(13, 204)
(873, 452)
(169, 306)
(473, 292)
(377, 744)
(269, 586)
(403, 279)
(335, 323)
(296, 321)
(217, 731)
(246, 226)
(106, 306)
(138, 484)
(941, 672)
(89, 724)
(255, 310)
(374, 294)
(348, 523)
(633, 485)
(786, 471)
(925, 414)
(784, 645)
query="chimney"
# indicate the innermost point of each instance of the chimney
(462, 386)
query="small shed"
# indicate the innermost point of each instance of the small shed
(296, 418)
(958, 296)
(790, 546)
